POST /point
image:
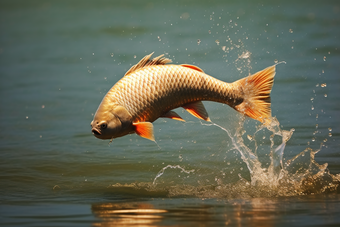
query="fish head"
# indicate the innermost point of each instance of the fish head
(109, 123)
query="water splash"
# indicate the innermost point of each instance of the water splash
(300, 175)
(259, 175)
(161, 172)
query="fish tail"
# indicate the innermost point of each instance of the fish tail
(256, 89)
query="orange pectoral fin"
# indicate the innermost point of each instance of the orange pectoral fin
(172, 115)
(198, 110)
(145, 130)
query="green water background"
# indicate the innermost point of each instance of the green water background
(59, 58)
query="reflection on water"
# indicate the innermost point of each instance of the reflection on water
(125, 214)
(235, 212)
(145, 214)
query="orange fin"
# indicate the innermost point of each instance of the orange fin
(145, 130)
(257, 88)
(193, 67)
(172, 115)
(198, 110)
(160, 60)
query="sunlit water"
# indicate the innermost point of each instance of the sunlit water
(59, 58)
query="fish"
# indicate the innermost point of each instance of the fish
(153, 88)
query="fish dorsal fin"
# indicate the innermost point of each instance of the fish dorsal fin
(146, 61)
(145, 130)
(193, 67)
(172, 115)
(198, 110)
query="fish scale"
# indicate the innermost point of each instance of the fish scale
(173, 85)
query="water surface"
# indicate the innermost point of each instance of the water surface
(59, 58)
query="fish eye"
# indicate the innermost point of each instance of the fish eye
(103, 126)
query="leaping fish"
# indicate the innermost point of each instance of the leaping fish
(152, 89)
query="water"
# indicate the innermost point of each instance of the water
(59, 58)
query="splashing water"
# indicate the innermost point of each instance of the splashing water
(301, 175)
(297, 176)
(160, 173)
(260, 175)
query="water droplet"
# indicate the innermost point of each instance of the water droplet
(324, 85)
(245, 55)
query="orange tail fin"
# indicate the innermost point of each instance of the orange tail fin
(257, 88)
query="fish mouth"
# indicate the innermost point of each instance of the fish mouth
(96, 132)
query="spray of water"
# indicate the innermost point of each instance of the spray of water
(161, 172)
(297, 176)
